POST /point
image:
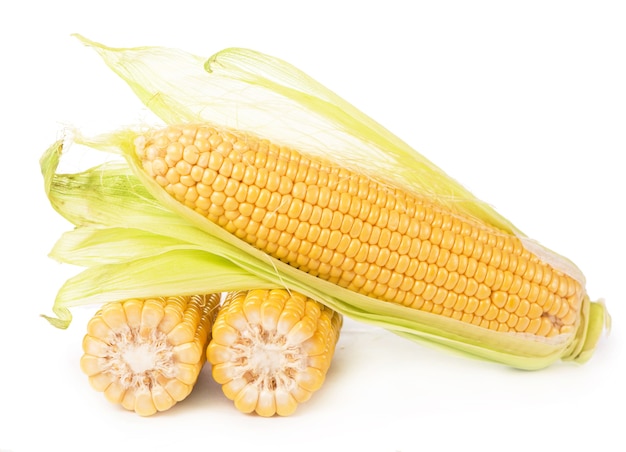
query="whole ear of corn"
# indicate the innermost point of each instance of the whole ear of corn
(359, 234)
(271, 349)
(387, 238)
(146, 354)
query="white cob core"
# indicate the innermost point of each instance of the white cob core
(135, 360)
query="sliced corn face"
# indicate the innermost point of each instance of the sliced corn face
(271, 349)
(146, 354)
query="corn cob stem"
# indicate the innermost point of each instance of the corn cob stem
(147, 354)
(360, 234)
(272, 349)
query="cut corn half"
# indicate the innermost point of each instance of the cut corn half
(146, 354)
(271, 349)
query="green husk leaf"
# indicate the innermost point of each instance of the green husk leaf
(179, 272)
(88, 244)
(98, 196)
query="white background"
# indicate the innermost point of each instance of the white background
(523, 102)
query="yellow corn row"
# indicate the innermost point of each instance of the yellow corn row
(146, 354)
(360, 234)
(271, 349)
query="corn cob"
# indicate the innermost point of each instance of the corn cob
(146, 354)
(271, 349)
(360, 234)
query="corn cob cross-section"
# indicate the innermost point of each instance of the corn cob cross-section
(272, 349)
(146, 354)
(361, 234)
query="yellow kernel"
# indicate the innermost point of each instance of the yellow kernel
(507, 282)
(215, 161)
(450, 300)
(522, 324)
(172, 176)
(503, 316)
(191, 154)
(191, 195)
(239, 171)
(544, 327)
(447, 240)
(512, 321)
(471, 287)
(218, 198)
(472, 305)
(563, 310)
(187, 181)
(461, 302)
(436, 235)
(512, 303)
(556, 307)
(516, 285)
(490, 276)
(491, 313)
(179, 190)
(159, 167)
(196, 173)
(431, 273)
(460, 285)
(481, 272)
(483, 307)
(523, 309)
(483, 292)
(569, 318)
(467, 317)
(424, 251)
(429, 292)
(442, 276)
(452, 280)
(563, 289)
(442, 259)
